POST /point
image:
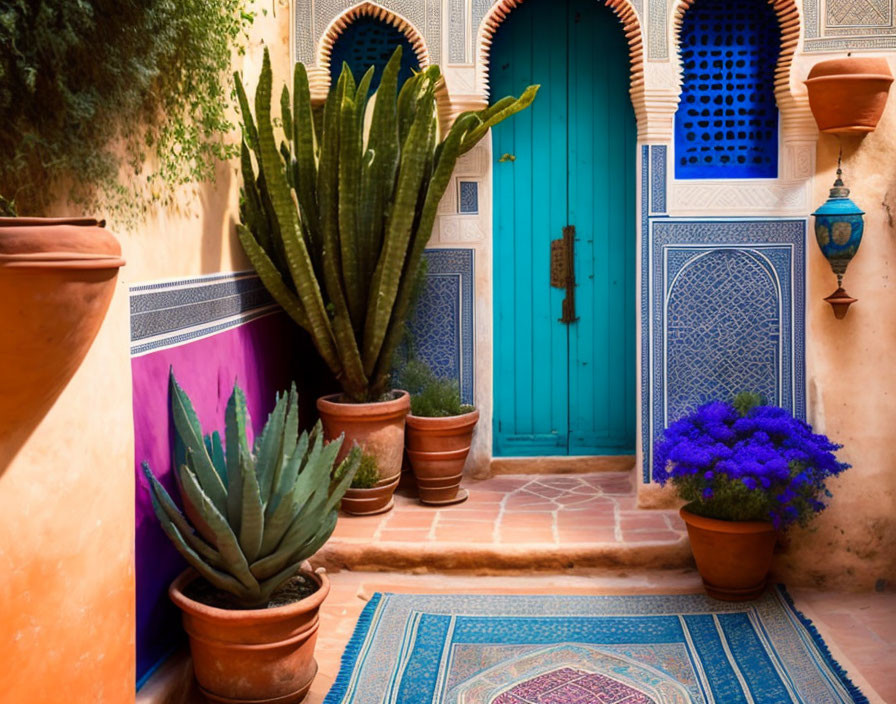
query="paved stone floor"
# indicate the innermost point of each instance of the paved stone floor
(516, 522)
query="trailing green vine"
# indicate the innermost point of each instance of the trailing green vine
(91, 91)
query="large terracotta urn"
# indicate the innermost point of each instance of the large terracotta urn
(733, 557)
(848, 95)
(57, 277)
(252, 656)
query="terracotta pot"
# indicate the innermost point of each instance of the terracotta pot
(378, 428)
(848, 96)
(57, 277)
(257, 655)
(438, 449)
(733, 557)
(367, 502)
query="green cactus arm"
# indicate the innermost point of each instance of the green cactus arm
(236, 421)
(187, 425)
(441, 177)
(361, 98)
(286, 111)
(303, 552)
(349, 168)
(253, 214)
(252, 513)
(167, 512)
(491, 117)
(216, 577)
(270, 449)
(407, 105)
(216, 452)
(298, 259)
(224, 539)
(378, 171)
(387, 275)
(306, 167)
(271, 277)
(249, 129)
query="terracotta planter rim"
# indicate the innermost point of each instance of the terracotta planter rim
(438, 455)
(387, 481)
(443, 422)
(373, 410)
(840, 77)
(720, 526)
(255, 616)
(58, 243)
(7, 221)
(851, 65)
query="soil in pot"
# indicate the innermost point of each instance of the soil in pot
(378, 428)
(293, 590)
(243, 656)
(733, 557)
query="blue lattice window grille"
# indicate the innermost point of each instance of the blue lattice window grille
(727, 121)
(468, 197)
(367, 42)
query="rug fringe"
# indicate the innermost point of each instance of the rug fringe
(836, 667)
(352, 651)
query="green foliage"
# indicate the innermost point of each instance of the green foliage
(250, 517)
(368, 473)
(431, 396)
(92, 89)
(746, 401)
(338, 205)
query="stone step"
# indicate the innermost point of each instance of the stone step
(516, 523)
(562, 465)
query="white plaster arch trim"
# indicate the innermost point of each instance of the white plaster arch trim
(319, 79)
(631, 26)
(793, 107)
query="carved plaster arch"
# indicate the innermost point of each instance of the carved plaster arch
(631, 26)
(793, 107)
(321, 79)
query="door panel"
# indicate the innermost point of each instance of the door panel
(530, 208)
(602, 149)
(569, 159)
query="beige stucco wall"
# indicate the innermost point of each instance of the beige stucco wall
(67, 491)
(852, 377)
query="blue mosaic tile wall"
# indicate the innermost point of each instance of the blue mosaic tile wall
(726, 125)
(722, 308)
(441, 329)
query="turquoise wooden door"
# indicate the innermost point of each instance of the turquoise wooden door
(569, 160)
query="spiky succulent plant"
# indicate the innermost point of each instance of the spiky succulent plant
(251, 516)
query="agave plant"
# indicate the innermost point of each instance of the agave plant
(336, 217)
(252, 515)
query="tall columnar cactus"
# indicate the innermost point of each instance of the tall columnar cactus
(336, 217)
(251, 515)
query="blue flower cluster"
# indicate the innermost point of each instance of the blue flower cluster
(764, 462)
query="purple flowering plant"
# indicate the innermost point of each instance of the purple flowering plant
(744, 461)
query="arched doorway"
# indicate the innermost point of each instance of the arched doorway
(564, 387)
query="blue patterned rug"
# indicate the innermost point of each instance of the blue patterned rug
(684, 649)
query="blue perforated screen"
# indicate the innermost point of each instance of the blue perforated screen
(368, 42)
(727, 121)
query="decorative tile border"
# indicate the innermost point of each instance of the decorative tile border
(169, 313)
(849, 25)
(442, 325)
(761, 257)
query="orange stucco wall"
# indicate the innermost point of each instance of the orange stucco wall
(67, 488)
(852, 375)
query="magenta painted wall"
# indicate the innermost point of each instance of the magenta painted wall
(261, 356)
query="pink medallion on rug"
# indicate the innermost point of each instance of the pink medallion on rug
(569, 686)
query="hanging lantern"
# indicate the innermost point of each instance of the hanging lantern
(838, 229)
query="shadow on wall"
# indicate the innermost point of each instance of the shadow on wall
(218, 226)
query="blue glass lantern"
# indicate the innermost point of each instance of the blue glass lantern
(838, 229)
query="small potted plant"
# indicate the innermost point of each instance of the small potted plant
(250, 519)
(369, 493)
(438, 435)
(747, 472)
